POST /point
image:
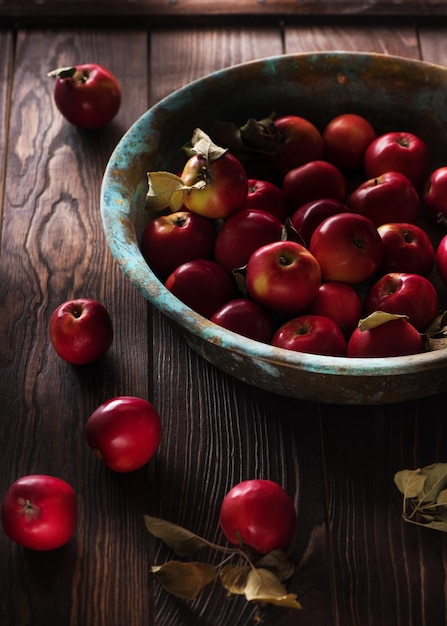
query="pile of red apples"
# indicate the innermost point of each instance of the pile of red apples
(325, 255)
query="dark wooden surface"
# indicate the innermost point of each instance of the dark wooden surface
(357, 564)
(133, 11)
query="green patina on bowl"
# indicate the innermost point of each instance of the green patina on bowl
(392, 92)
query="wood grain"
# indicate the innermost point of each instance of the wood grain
(53, 250)
(132, 11)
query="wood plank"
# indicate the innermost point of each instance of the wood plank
(6, 55)
(53, 249)
(131, 11)
(223, 431)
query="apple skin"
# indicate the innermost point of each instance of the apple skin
(313, 334)
(226, 187)
(176, 238)
(312, 181)
(125, 432)
(340, 302)
(310, 215)
(300, 142)
(247, 318)
(434, 198)
(441, 259)
(398, 151)
(406, 248)
(203, 285)
(263, 195)
(346, 138)
(39, 512)
(389, 197)
(394, 338)
(243, 233)
(260, 514)
(283, 277)
(81, 331)
(404, 294)
(348, 248)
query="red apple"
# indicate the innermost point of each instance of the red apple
(312, 181)
(283, 277)
(176, 238)
(263, 195)
(203, 285)
(404, 294)
(246, 318)
(340, 302)
(398, 151)
(347, 247)
(406, 248)
(396, 337)
(434, 199)
(242, 234)
(441, 259)
(81, 331)
(300, 142)
(314, 334)
(390, 197)
(310, 215)
(346, 138)
(225, 185)
(125, 432)
(39, 512)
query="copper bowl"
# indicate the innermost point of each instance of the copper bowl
(393, 92)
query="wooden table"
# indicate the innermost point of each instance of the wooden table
(357, 563)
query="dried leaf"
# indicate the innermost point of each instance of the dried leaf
(377, 319)
(183, 542)
(165, 190)
(254, 140)
(410, 482)
(203, 144)
(425, 495)
(277, 562)
(234, 578)
(436, 481)
(184, 580)
(264, 587)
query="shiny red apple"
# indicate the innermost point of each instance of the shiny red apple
(346, 138)
(243, 233)
(406, 248)
(398, 151)
(314, 334)
(404, 294)
(389, 197)
(347, 247)
(283, 277)
(176, 238)
(312, 181)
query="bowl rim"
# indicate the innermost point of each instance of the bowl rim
(115, 209)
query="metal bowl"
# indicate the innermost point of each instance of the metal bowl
(393, 92)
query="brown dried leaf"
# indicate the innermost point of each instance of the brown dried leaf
(182, 541)
(264, 587)
(277, 562)
(203, 144)
(377, 319)
(410, 482)
(234, 578)
(442, 498)
(165, 190)
(184, 580)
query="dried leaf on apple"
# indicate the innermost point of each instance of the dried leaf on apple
(377, 319)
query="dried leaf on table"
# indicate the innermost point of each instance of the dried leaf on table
(184, 580)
